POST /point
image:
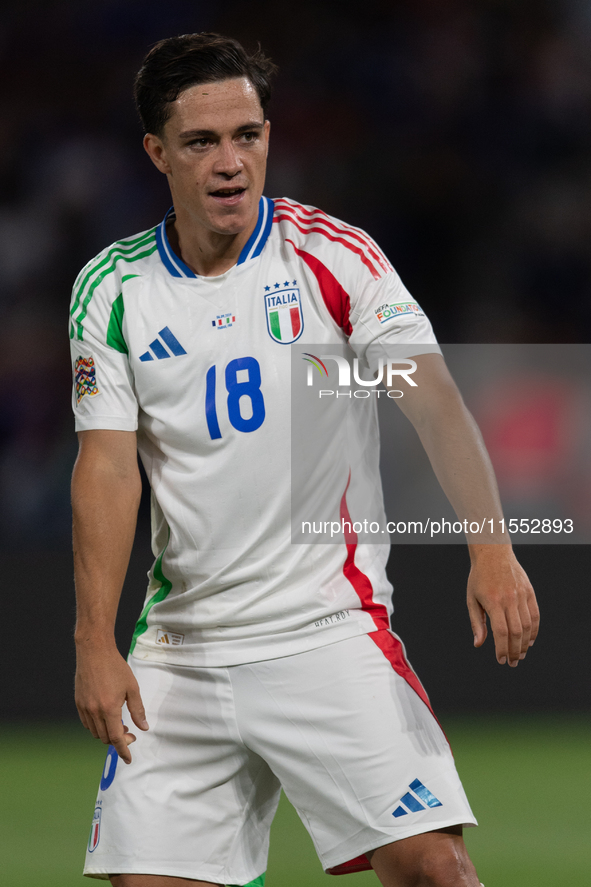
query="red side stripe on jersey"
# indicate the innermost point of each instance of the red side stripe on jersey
(348, 230)
(390, 646)
(335, 297)
(279, 217)
(359, 580)
(392, 649)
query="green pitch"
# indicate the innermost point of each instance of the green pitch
(528, 781)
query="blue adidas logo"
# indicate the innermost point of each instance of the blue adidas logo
(412, 802)
(157, 349)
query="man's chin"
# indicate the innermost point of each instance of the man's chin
(231, 223)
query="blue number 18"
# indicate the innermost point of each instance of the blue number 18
(251, 388)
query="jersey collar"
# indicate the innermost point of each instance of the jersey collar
(251, 249)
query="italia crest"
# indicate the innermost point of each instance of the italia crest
(285, 321)
(95, 830)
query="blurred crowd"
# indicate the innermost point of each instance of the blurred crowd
(458, 133)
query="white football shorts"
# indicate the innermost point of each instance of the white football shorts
(356, 750)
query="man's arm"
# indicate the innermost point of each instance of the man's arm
(498, 586)
(106, 490)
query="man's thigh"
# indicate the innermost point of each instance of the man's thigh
(438, 857)
(357, 751)
(194, 803)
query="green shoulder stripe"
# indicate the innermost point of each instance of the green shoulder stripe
(163, 591)
(146, 243)
(115, 337)
(121, 246)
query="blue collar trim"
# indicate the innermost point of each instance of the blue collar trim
(257, 240)
(251, 249)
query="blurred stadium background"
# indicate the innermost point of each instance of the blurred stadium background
(458, 134)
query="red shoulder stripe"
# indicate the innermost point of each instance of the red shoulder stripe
(335, 297)
(376, 274)
(355, 233)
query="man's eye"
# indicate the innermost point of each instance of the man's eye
(249, 136)
(199, 143)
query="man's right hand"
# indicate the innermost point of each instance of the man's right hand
(104, 682)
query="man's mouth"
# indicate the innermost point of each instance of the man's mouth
(228, 196)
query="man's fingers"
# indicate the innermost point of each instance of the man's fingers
(477, 621)
(515, 634)
(118, 739)
(136, 708)
(534, 613)
(526, 626)
(88, 722)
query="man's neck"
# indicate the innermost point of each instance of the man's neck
(206, 252)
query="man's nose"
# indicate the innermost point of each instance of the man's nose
(228, 161)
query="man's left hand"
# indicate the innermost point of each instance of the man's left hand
(498, 587)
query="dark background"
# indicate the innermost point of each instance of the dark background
(457, 133)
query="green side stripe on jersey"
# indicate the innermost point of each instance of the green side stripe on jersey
(117, 252)
(78, 322)
(165, 586)
(115, 337)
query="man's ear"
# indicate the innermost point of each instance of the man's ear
(154, 147)
(267, 131)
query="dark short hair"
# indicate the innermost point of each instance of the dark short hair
(176, 63)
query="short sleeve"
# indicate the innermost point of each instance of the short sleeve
(103, 394)
(387, 321)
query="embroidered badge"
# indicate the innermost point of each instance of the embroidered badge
(388, 312)
(285, 320)
(95, 830)
(85, 378)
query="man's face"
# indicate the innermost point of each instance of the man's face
(214, 152)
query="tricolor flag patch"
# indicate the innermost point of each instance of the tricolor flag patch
(285, 320)
(95, 830)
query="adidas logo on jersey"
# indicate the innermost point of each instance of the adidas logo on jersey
(410, 803)
(169, 638)
(157, 350)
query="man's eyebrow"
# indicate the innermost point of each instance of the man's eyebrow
(209, 133)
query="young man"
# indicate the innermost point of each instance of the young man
(256, 663)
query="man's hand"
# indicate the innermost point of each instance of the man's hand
(498, 587)
(104, 682)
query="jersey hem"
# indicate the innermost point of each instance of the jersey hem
(219, 653)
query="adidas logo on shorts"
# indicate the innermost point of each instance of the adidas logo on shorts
(411, 801)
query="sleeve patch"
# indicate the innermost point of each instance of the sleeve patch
(85, 378)
(389, 311)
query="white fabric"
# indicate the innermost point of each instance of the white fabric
(337, 727)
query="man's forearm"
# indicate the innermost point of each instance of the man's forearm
(105, 502)
(462, 465)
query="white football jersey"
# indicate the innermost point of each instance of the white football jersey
(200, 368)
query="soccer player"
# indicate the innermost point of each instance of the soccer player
(256, 663)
